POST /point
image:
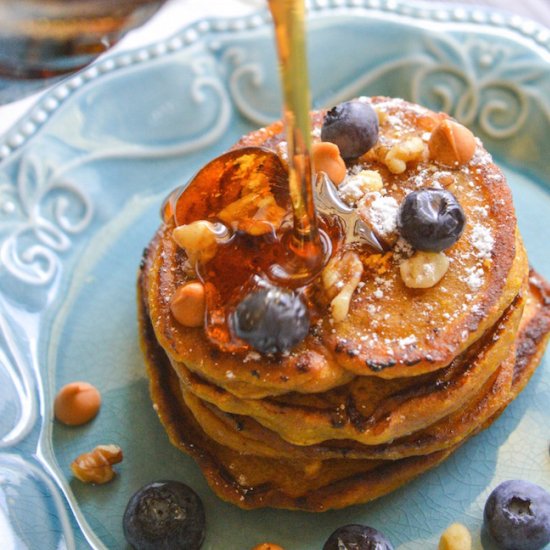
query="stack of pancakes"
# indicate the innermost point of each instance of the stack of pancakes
(365, 404)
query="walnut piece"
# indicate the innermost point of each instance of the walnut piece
(341, 277)
(255, 213)
(199, 239)
(424, 269)
(96, 466)
(410, 149)
(356, 186)
(379, 212)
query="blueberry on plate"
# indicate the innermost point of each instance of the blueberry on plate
(353, 126)
(431, 219)
(271, 320)
(164, 515)
(357, 537)
(517, 515)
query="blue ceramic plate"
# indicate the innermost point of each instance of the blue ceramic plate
(81, 181)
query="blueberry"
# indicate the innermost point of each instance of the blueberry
(271, 320)
(164, 515)
(357, 537)
(353, 126)
(517, 515)
(431, 219)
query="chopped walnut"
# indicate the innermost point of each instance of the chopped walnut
(199, 239)
(411, 149)
(356, 186)
(96, 466)
(255, 213)
(379, 212)
(382, 115)
(341, 277)
(424, 269)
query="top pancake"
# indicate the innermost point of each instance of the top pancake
(391, 330)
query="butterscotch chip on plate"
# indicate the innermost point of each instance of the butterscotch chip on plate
(77, 403)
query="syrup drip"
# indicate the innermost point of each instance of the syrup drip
(309, 247)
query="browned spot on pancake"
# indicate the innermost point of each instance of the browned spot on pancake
(378, 366)
(302, 365)
(341, 346)
(359, 421)
(338, 418)
(535, 331)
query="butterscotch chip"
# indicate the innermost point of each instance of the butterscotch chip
(77, 403)
(326, 158)
(188, 304)
(451, 143)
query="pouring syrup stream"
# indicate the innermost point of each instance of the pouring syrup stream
(309, 249)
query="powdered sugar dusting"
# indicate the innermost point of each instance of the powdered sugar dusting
(474, 278)
(408, 341)
(252, 356)
(402, 249)
(357, 184)
(482, 240)
(383, 214)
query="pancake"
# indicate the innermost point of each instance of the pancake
(247, 436)
(314, 485)
(442, 322)
(375, 393)
(370, 410)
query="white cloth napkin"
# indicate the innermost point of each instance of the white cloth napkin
(175, 15)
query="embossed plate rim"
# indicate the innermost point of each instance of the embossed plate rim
(32, 122)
